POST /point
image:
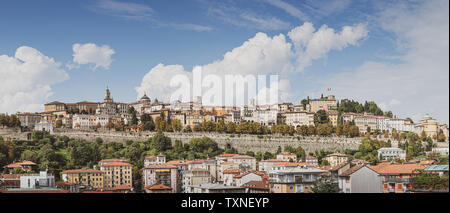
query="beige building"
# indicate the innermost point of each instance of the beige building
(299, 118)
(328, 103)
(333, 117)
(92, 178)
(117, 174)
(287, 156)
(336, 159)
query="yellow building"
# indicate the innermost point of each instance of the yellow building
(336, 159)
(87, 177)
(117, 174)
(55, 106)
(333, 116)
(328, 103)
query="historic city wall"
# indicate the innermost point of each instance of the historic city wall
(242, 143)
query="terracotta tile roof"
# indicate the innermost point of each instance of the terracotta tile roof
(257, 185)
(150, 157)
(387, 168)
(20, 164)
(242, 157)
(262, 174)
(351, 170)
(161, 166)
(82, 171)
(334, 168)
(194, 162)
(176, 162)
(117, 164)
(291, 164)
(158, 187)
(232, 171)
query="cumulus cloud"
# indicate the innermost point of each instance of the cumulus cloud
(312, 45)
(99, 56)
(419, 83)
(261, 55)
(27, 79)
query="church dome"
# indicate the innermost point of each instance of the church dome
(145, 97)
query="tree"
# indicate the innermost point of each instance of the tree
(160, 142)
(37, 135)
(325, 184)
(321, 117)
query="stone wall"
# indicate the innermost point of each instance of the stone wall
(242, 143)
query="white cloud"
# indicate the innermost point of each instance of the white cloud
(27, 79)
(248, 19)
(312, 45)
(89, 53)
(260, 55)
(419, 84)
(123, 9)
(140, 12)
(293, 11)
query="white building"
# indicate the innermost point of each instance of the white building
(33, 181)
(299, 118)
(386, 153)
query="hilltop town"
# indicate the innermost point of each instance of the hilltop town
(393, 154)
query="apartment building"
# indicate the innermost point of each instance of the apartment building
(293, 180)
(299, 118)
(91, 178)
(167, 175)
(360, 179)
(392, 153)
(327, 103)
(336, 159)
(195, 176)
(117, 174)
(396, 178)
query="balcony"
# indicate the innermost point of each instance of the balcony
(397, 180)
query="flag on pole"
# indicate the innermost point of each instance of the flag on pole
(329, 89)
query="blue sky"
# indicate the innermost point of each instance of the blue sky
(143, 34)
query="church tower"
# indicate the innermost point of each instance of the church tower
(108, 98)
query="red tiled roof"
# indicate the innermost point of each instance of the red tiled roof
(338, 166)
(232, 171)
(161, 166)
(117, 164)
(158, 187)
(291, 164)
(352, 170)
(176, 162)
(257, 185)
(387, 168)
(20, 164)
